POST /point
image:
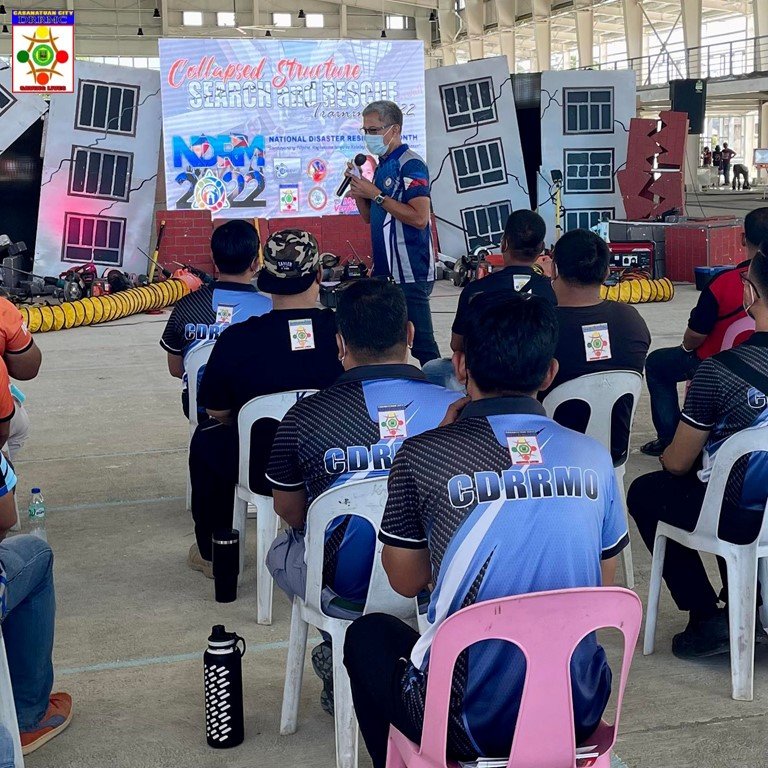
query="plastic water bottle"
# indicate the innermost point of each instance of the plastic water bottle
(37, 514)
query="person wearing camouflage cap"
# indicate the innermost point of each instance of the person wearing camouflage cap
(291, 347)
(291, 263)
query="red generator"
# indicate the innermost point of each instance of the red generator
(638, 255)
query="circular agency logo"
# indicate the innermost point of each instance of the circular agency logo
(210, 194)
(317, 198)
(42, 56)
(301, 335)
(317, 169)
(597, 343)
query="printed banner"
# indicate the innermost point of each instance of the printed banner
(264, 128)
(43, 45)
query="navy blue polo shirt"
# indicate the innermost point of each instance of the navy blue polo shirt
(400, 250)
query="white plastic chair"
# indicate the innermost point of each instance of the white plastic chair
(601, 391)
(7, 707)
(194, 361)
(743, 561)
(267, 522)
(365, 499)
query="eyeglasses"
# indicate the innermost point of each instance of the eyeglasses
(746, 281)
(375, 131)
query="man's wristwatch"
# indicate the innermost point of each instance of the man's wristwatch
(379, 199)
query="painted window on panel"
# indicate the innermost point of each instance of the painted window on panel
(586, 218)
(478, 165)
(107, 108)
(468, 104)
(93, 238)
(7, 100)
(100, 173)
(588, 170)
(484, 224)
(588, 110)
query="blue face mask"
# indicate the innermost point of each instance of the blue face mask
(376, 144)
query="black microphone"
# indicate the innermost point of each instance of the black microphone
(360, 161)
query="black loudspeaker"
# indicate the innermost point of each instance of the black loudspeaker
(690, 96)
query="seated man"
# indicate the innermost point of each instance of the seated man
(291, 347)
(728, 393)
(547, 515)
(351, 429)
(27, 612)
(521, 244)
(201, 316)
(717, 322)
(594, 335)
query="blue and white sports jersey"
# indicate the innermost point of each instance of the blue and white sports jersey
(202, 315)
(508, 502)
(351, 431)
(400, 250)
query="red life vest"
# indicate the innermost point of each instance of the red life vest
(733, 324)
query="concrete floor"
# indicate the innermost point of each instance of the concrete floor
(108, 447)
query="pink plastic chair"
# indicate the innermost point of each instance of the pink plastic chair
(547, 627)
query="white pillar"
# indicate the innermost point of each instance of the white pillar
(343, 21)
(585, 35)
(164, 17)
(424, 33)
(474, 18)
(446, 17)
(633, 28)
(760, 12)
(763, 125)
(505, 14)
(692, 35)
(692, 39)
(507, 47)
(542, 34)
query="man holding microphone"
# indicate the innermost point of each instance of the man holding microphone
(396, 204)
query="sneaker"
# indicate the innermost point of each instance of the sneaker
(196, 563)
(322, 663)
(703, 638)
(57, 717)
(654, 447)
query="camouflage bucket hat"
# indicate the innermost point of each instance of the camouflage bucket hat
(291, 262)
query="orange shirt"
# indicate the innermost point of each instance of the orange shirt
(14, 336)
(7, 405)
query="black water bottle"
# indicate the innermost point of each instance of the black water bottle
(226, 565)
(223, 676)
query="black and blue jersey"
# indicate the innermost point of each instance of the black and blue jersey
(351, 431)
(202, 316)
(508, 502)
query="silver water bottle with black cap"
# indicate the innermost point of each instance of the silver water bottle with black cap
(223, 678)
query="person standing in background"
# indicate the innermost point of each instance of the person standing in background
(397, 206)
(717, 162)
(706, 157)
(727, 155)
